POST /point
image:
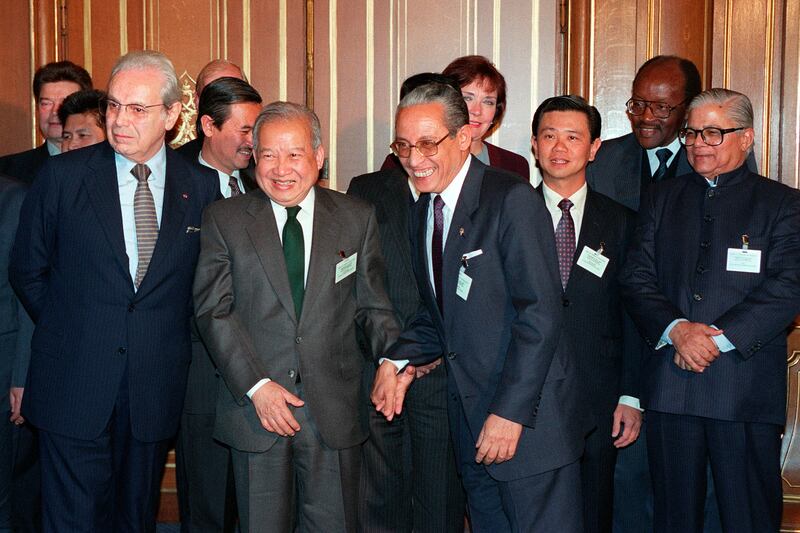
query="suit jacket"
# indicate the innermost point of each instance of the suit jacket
(676, 268)
(388, 191)
(16, 327)
(498, 158)
(246, 316)
(607, 348)
(24, 165)
(201, 388)
(70, 268)
(501, 343)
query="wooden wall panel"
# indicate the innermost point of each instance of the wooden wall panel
(16, 103)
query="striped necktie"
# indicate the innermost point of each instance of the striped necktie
(144, 213)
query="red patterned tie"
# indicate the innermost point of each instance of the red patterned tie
(565, 241)
(144, 214)
(234, 185)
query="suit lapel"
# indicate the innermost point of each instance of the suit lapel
(103, 190)
(398, 200)
(591, 235)
(263, 233)
(426, 287)
(177, 191)
(323, 259)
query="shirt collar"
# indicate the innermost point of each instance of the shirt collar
(674, 147)
(157, 164)
(413, 189)
(451, 193)
(205, 163)
(552, 198)
(53, 148)
(306, 204)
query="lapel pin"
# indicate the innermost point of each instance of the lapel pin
(461, 232)
(185, 196)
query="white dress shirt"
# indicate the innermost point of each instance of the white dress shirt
(578, 199)
(306, 219)
(224, 179)
(674, 146)
(127, 183)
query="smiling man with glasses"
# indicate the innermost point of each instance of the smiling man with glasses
(712, 282)
(103, 262)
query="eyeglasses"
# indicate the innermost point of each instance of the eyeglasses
(109, 106)
(711, 136)
(636, 107)
(425, 147)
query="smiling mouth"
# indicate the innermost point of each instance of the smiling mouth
(423, 173)
(245, 151)
(283, 183)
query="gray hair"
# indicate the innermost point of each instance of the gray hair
(456, 114)
(285, 111)
(737, 106)
(150, 59)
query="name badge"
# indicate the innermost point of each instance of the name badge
(744, 260)
(346, 267)
(463, 285)
(593, 261)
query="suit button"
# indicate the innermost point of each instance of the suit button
(122, 351)
(565, 302)
(705, 244)
(292, 373)
(701, 270)
(710, 193)
(708, 218)
(298, 340)
(697, 297)
(451, 355)
(131, 308)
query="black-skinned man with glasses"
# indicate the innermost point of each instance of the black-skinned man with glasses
(712, 282)
(103, 262)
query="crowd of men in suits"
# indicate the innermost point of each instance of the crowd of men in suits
(443, 341)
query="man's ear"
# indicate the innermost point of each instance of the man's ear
(207, 123)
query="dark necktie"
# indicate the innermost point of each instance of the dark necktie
(144, 214)
(436, 247)
(234, 185)
(663, 156)
(565, 241)
(294, 254)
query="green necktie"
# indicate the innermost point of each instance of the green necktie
(294, 253)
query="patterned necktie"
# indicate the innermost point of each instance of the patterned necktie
(565, 241)
(663, 156)
(144, 214)
(234, 185)
(294, 254)
(436, 248)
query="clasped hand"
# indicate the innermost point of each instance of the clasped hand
(694, 348)
(390, 387)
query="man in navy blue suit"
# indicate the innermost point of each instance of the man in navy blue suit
(712, 282)
(485, 261)
(103, 262)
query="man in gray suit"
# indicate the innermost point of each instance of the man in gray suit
(226, 115)
(286, 275)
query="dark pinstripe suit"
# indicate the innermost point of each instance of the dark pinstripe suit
(25, 165)
(676, 268)
(102, 351)
(431, 499)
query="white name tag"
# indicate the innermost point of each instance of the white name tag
(463, 285)
(346, 267)
(741, 260)
(593, 261)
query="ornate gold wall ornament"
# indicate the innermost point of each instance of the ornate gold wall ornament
(184, 130)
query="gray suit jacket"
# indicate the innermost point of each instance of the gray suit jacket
(246, 316)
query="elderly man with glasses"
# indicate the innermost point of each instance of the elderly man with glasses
(103, 262)
(712, 282)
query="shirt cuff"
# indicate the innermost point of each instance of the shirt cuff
(399, 363)
(254, 388)
(630, 401)
(665, 340)
(722, 342)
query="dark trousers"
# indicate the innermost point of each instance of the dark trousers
(597, 478)
(745, 462)
(408, 472)
(107, 484)
(543, 503)
(204, 477)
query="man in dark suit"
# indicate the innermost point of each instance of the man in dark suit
(431, 497)
(213, 70)
(103, 262)
(227, 112)
(15, 345)
(51, 84)
(712, 282)
(492, 305)
(285, 276)
(592, 235)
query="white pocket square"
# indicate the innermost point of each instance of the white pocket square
(192, 229)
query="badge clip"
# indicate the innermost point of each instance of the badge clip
(464, 261)
(602, 247)
(745, 242)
